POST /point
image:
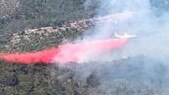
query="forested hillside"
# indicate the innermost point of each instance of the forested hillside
(15, 18)
(50, 22)
(18, 15)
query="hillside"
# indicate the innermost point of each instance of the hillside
(34, 25)
(21, 31)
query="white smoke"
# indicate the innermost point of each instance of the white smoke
(143, 70)
(138, 68)
(134, 17)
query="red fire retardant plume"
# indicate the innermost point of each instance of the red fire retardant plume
(64, 53)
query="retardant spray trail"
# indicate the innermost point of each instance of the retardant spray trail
(64, 53)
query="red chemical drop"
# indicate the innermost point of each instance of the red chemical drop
(64, 53)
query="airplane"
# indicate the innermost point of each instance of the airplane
(125, 35)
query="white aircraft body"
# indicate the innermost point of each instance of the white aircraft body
(125, 35)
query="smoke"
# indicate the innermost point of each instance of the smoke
(140, 67)
(135, 17)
